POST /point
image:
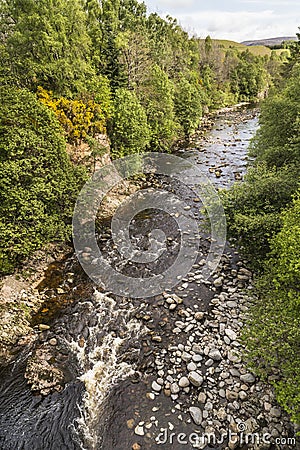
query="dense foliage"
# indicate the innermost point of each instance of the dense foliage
(38, 184)
(101, 67)
(255, 206)
(273, 336)
(71, 47)
(264, 216)
(78, 118)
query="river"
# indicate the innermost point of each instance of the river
(112, 349)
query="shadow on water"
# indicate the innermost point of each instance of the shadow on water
(29, 422)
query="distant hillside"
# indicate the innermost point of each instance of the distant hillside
(269, 42)
(257, 50)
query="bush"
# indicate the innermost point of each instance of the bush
(38, 184)
(79, 119)
(253, 209)
(129, 131)
(277, 141)
(273, 336)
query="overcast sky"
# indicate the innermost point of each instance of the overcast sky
(234, 20)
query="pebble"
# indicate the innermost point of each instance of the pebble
(243, 395)
(136, 446)
(191, 367)
(215, 354)
(195, 378)
(184, 382)
(174, 388)
(231, 334)
(231, 395)
(156, 387)
(275, 412)
(130, 423)
(196, 415)
(248, 378)
(218, 282)
(186, 356)
(202, 397)
(199, 315)
(139, 430)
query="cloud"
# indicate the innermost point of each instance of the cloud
(241, 20)
(174, 4)
(240, 25)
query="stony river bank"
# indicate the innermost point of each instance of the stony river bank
(82, 369)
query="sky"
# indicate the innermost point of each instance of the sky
(234, 20)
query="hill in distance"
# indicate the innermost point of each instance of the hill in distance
(257, 50)
(270, 42)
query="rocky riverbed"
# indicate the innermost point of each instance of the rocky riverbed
(88, 370)
(200, 368)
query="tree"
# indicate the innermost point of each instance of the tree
(249, 78)
(135, 57)
(47, 43)
(38, 184)
(129, 130)
(188, 104)
(157, 97)
(277, 142)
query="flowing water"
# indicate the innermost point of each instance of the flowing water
(107, 346)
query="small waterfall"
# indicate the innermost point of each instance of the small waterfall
(100, 360)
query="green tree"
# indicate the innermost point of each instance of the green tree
(249, 78)
(38, 184)
(157, 97)
(47, 43)
(129, 131)
(188, 105)
(277, 142)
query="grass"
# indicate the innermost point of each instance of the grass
(257, 50)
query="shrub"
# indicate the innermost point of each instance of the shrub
(129, 131)
(253, 209)
(79, 119)
(157, 97)
(38, 184)
(273, 336)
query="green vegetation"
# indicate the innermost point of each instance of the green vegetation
(101, 67)
(264, 217)
(256, 50)
(38, 184)
(273, 336)
(130, 132)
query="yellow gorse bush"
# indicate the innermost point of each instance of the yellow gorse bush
(79, 119)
